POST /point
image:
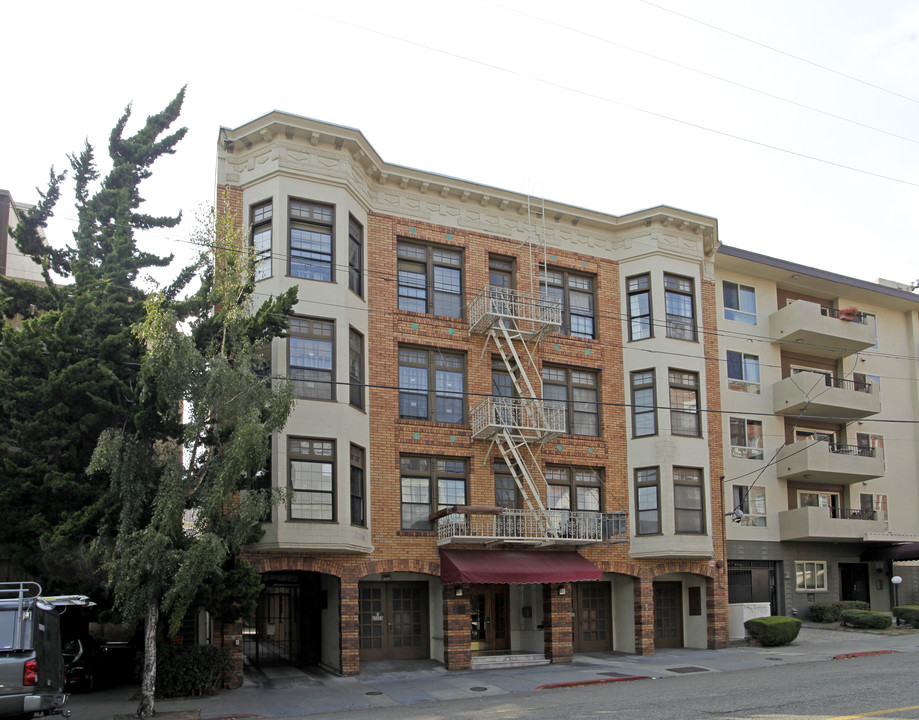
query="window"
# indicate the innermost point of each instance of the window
(430, 280)
(356, 368)
(430, 483)
(311, 358)
(739, 303)
(312, 479)
(638, 290)
(261, 239)
(575, 390)
(680, 307)
(431, 385)
(644, 410)
(573, 488)
(743, 372)
(647, 503)
(688, 501)
(810, 575)
(355, 257)
(358, 513)
(310, 240)
(870, 445)
(746, 438)
(818, 499)
(684, 403)
(576, 294)
(873, 506)
(751, 501)
(507, 495)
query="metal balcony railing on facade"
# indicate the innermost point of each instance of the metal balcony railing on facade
(532, 315)
(852, 514)
(481, 525)
(855, 450)
(847, 314)
(532, 419)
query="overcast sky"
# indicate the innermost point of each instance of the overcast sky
(795, 123)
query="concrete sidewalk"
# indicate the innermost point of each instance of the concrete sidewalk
(293, 693)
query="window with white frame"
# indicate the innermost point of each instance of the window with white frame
(739, 303)
(751, 501)
(810, 576)
(743, 372)
(746, 438)
(680, 304)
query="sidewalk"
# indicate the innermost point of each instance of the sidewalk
(293, 693)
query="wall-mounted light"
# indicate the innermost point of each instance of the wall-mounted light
(458, 591)
(563, 590)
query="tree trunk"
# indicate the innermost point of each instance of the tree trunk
(148, 681)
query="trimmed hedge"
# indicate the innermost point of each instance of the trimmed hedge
(866, 619)
(191, 670)
(827, 612)
(775, 630)
(908, 614)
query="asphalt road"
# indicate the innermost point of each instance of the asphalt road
(881, 686)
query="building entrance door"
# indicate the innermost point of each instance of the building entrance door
(488, 606)
(668, 615)
(853, 581)
(393, 619)
(592, 622)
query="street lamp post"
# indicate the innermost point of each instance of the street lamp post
(896, 580)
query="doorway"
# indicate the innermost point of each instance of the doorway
(488, 605)
(853, 581)
(393, 620)
(668, 615)
(592, 619)
(287, 622)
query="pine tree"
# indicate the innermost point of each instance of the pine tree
(70, 371)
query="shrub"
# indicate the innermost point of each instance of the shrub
(908, 614)
(827, 612)
(866, 619)
(775, 630)
(187, 670)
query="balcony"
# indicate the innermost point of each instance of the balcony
(466, 525)
(820, 331)
(532, 316)
(826, 524)
(824, 462)
(814, 394)
(529, 419)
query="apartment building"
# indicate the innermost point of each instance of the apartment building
(506, 444)
(819, 403)
(14, 264)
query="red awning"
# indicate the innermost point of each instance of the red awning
(515, 566)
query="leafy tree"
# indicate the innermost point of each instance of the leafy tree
(199, 440)
(70, 370)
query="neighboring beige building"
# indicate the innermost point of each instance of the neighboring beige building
(821, 434)
(13, 263)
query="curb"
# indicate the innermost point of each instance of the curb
(846, 656)
(599, 681)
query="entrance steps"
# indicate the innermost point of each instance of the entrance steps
(508, 660)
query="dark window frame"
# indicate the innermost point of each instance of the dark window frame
(639, 286)
(676, 382)
(261, 218)
(358, 485)
(572, 478)
(426, 290)
(686, 477)
(319, 219)
(312, 456)
(430, 392)
(678, 290)
(572, 405)
(639, 383)
(299, 330)
(645, 478)
(355, 368)
(433, 474)
(355, 257)
(562, 289)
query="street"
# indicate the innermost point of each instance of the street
(883, 686)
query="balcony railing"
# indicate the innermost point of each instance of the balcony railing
(820, 331)
(533, 315)
(844, 314)
(531, 418)
(857, 450)
(480, 525)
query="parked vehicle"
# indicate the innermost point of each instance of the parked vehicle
(82, 663)
(31, 666)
